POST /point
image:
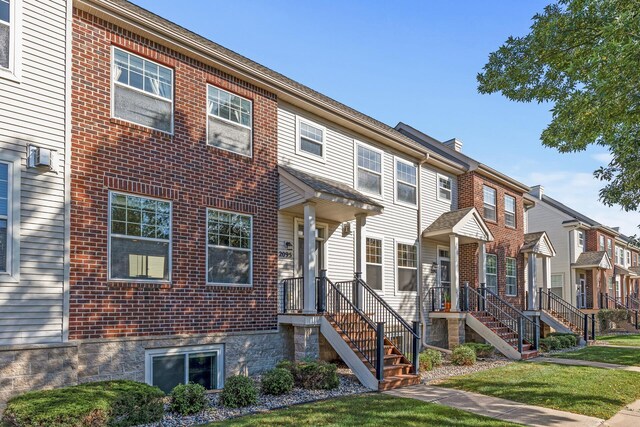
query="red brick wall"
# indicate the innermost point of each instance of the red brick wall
(110, 154)
(507, 240)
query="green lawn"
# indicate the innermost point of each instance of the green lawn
(619, 356)
(366, 410)
(583, 390)
(630, 340)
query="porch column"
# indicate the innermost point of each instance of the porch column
(361, 245)
(454, 255)
(482, 263)
(309, 268)
(531, 279)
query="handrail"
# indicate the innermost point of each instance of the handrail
(436, 298)
(633, 302)
(292, 295)
(633, 314)
(509, 316)
(572, 315)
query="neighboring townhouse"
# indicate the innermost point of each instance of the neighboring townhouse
(34, 194)
(626, 271)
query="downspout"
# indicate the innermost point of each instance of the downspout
(421, 319)
(573, 280)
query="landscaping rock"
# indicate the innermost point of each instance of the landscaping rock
(449, 370)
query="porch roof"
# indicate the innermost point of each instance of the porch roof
(593, 259)
(334, 200)
(624, 271)
(463, 222)
(538, 243)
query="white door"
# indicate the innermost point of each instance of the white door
(582, 293)
(444, 277)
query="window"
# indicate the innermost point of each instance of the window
(610, 248)
(619, 255)
(229, 248)
(6, 36)
(407, 257)
(444, 188)
(142, 91)
(4, 218)
(369, 170)
(406, 182)
(510, 211)
(557, 280)
(374, 263)
(601, 243)
(492, 273)
(512, 277)
(229, 121)
(628, 258)
(166, 368)
(489, 203)
(140, 238)
(581, 239)
(311, 139)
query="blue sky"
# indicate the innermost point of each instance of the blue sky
(416, 62)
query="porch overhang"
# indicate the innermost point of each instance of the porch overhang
(617, 270)
(466, 223)
(333, 200)
(539, 244)
(593, 259)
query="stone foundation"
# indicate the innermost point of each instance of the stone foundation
(306, 342)
(455, 329)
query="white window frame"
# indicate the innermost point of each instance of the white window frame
(114, 83)
(382, 258)
(300, 151)
(602, 243)
(12, 273)
(235, 285)
(215, 348)
(515, 220)
(495, 202)
(610, 250)
(506, 269)
(397, 266)
(222, 119)
(627, 258)
(487, 274)
(440, 176)
(150, 239)
(561, 280)
(14, 72)
(356, 167)
(581, 239)
(396, 180)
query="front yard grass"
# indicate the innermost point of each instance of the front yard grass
(626, 340)
(366, 410)
(582, 390)
(619, 356)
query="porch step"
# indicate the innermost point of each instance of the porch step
(397, 381)
(505, 333)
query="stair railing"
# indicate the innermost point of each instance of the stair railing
(577, 320)
(633, 303)
(484, 300)
(293, 295)
(606, 301)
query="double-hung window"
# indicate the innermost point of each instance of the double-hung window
(229, 248)
(601, 243)
(628, 258)
(489, 195)
(6, 33)
(491, 273)
(166, 368)
(311, 139)
(374, 263)
(610, 248)
(229, 121)
(509, 211)
(406, 182)
(581, 239)
(512, 277)
(142, 91)
(444, 188)
(140, 238)
(369, 169)
(5, 206)
(407, 260)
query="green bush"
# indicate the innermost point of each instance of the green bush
(108, 403)
(277, 381)
(550, 343)
(463, 356)
(607, 318)
(187, 399)
(312, 375)
(239, 391)
(481, 350)
(430, 359)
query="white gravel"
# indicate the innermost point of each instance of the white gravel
(215, 412)
(449, 370)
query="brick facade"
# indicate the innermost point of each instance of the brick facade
(109, 154)
(507, 240)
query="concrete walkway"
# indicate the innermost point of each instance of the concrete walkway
(628, 417)
(497, 408)
(590, 363)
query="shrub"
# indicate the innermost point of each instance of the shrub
(277, 381)
(312, 375)
(430, 359)
(463, 356)
(238, 391)
(118, 403)
(481, 350)
(187, 399)
(609, 318)
(550, 343)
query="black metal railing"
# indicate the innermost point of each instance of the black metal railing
(439, 298)
(577, 321)
(293, 295)
(633, 303)
(483, 300)
(608, 302)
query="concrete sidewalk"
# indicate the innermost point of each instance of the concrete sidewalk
(501, 409)
(628, 417)
(575, 362)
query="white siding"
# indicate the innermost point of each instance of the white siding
(32, 111)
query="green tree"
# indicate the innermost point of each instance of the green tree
(582, 57)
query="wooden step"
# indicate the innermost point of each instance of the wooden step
(528, 354)
(398, 369)
(397, 381)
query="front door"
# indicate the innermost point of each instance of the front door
(321, 235)
(582, 293)
(444, 276)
